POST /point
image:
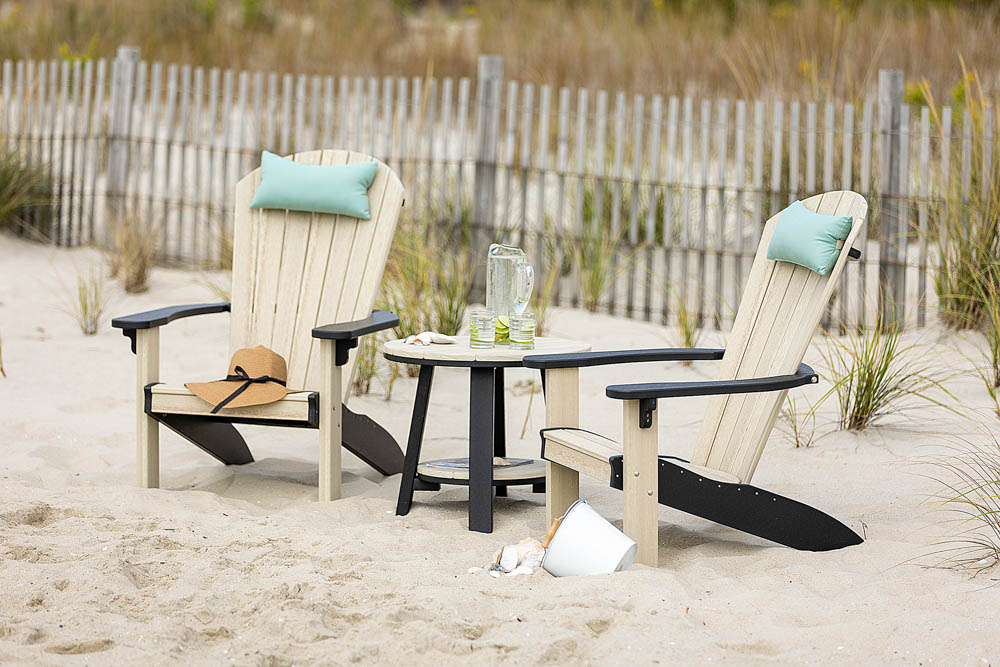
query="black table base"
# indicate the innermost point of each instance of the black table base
(487, 438)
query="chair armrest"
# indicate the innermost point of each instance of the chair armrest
(346, 334)
(379, 320)
(152, 319)
(161, 316)
(605, 358)
(654, 390)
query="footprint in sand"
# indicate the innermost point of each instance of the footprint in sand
(77, 648)
(36, 636)
(35, 514)
(599, 625)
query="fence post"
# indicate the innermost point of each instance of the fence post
(123, 71)
(489, 84)
(892, 256)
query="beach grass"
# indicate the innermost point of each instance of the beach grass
(737, 48)
(366, 368)
(687, 321)
(875, 372)
(89, 301)
(132, 253)
(23, 187)
(968, 496)
(799, 428)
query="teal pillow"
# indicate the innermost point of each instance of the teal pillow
(340, 189)
(808, 239)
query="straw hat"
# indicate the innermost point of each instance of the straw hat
(256, 375)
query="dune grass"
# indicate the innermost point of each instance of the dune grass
(968, 496)
(3, 372)
(132, 253)
(366, 369)
(89, 301)
(799, 428)
(875, 373)
(964, 223)
(23, 187)
(750, 49)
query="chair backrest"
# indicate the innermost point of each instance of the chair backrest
(778, 315)
(293, 271)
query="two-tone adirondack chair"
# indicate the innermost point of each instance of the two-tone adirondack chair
(293, 273)
(778, 315)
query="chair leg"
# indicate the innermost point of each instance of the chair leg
(562, 409)
(562, 489)
(641, 484)
(147, 354)
(330, 424)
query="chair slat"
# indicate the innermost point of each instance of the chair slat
(781, 309)
(293, 271)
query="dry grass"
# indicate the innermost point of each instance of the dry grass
(969, 497)
(800, 429)
(746, 48)
(132, 253)
(89, 301)
(2, 371)
(687, 321)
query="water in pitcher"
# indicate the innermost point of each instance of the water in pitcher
(509, 280)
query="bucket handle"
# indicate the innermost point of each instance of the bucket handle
(552, 532)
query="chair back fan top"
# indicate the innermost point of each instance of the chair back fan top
(293, 271)
(779, 312)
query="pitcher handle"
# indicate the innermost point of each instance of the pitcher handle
(524, 275)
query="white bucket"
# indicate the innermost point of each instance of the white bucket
(585, 543)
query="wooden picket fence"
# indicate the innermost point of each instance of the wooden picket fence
(649, 206)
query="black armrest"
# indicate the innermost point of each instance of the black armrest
(379, 320)
(157, 318)
(585, 359)
(653, 390)
(346, 333)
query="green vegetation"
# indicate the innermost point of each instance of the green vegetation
(969, 496)
(874, 372)
(735, 48)
(800, 429)
(23, 187)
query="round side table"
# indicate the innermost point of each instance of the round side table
(487, 437)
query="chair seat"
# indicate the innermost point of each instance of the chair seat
(591, 454)
(298, 409)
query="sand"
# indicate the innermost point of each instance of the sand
(242, 564)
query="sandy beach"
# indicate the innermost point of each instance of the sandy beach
(242, 565)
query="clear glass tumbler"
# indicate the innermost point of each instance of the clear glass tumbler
(522, 331)
(482, 329)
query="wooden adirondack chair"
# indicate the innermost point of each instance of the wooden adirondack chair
(778, 315)
(292, 272)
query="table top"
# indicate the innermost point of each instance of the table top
(460, 354)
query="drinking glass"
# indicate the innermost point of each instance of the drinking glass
(482, 330)
(522, 331)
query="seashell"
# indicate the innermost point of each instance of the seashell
(509, 558)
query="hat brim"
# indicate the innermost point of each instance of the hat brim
(257, 393)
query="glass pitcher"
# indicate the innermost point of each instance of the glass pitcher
(509, 281)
